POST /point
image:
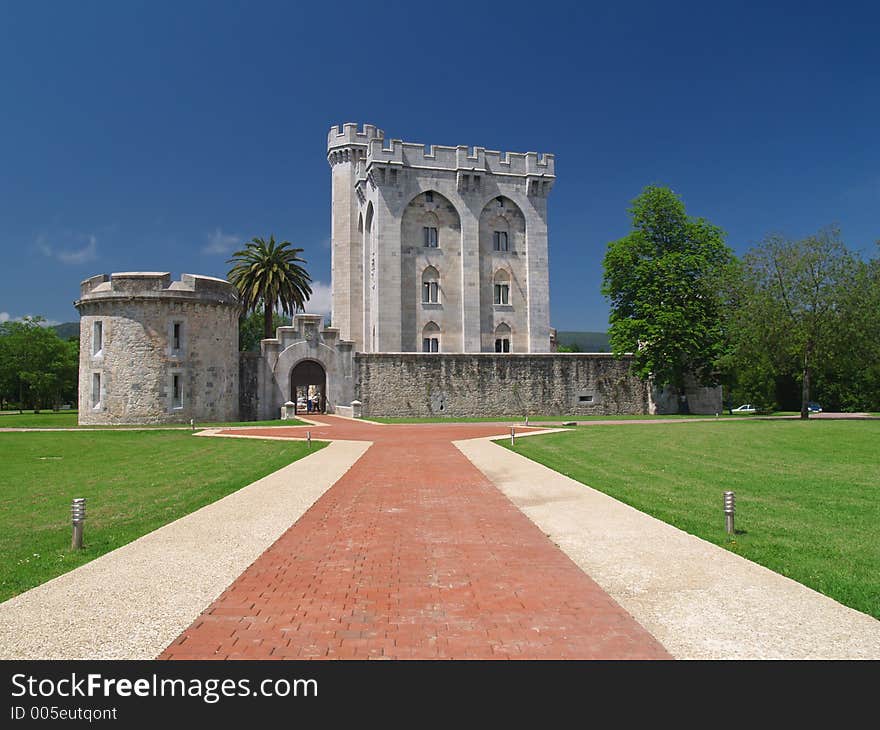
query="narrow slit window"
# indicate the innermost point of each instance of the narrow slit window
(430, 237)
(98, 337)
(96, 390)
(176, 335)
(176, 395)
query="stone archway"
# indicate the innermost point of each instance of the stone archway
(308, 376)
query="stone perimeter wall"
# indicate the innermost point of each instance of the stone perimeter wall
(459, 385)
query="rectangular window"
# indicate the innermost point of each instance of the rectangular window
(429, 197)
(430, 237)
(499, 241)
(430, 292)
(98, 337)
(175, 339)
(502, 344)
(96, 390)
(430, 344)
(501, 293)
(176, 395)
(585, 398)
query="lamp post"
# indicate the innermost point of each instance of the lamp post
(729, 510)
(78, 513)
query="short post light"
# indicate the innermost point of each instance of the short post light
(729, 509)
(309, 438)
(512, 435)
(78, 513)
(527, 420)
(192, 424)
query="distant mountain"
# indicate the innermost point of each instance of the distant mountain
(67, 330)
(585, 341)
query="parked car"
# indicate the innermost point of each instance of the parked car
(814, 407)
(748, 408)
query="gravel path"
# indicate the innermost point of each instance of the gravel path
(132, 602)
(699, 600)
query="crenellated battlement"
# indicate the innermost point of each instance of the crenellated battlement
(349, 134)
(438, 157)
(462, 157)
(157, 284)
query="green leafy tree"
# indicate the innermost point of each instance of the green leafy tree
(663, 281)
(36, 366)
(268, 275)
(849, 378)
(250, 329)
(794, 304)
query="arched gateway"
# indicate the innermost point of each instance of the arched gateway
(308, 387)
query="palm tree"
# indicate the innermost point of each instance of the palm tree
(269, 274)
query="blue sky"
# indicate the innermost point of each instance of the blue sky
(156, 136)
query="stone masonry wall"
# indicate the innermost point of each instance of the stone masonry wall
(137, 360)
(457, 385)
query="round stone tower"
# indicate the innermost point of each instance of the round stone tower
(154, 350)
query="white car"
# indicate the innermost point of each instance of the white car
(748, 408)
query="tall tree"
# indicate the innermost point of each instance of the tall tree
(663, 282)
(36, 365)
(796, 301)
(269, 275)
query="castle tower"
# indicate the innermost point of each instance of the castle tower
(346, 153)
(152, 350)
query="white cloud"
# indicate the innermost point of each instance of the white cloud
(319, 302)
(89, 252)
(221, 243)
(4, 317)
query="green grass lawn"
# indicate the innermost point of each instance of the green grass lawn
(807, 493)
(134, 482)
(68, 419)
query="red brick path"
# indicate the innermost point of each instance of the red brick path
(412, 554)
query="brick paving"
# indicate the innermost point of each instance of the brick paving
(412, 554)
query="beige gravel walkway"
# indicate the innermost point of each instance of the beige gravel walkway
(133, 602)
(699, 600)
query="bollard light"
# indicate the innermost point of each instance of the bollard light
(527, 420)
(192, 424)
(729, 509)
(309, 438)
(512, 435)
(78, 514)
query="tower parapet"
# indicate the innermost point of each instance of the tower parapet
(348, 143)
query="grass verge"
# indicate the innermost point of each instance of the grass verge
(807, 502)
(68, 419)
(134, 482)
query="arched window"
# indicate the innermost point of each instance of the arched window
(430, 286)
(502, 338)
(501, 288)
(430, 236)
(431, 338)
(500, 233)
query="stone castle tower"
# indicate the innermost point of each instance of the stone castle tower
(154, 350)
(438, 249)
